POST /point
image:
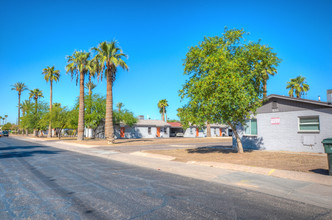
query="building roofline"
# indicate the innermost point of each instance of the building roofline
(325, 104)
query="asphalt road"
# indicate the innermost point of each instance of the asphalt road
(40, 182)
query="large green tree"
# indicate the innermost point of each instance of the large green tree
(110, 57)
(50, 75)
(19, 87)
(225, 83)
(78, 64)
(298, 86)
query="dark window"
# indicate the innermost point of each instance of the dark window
(274, 106)
(149, 130)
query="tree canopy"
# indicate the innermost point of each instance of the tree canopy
(298, 86)
(226, 76)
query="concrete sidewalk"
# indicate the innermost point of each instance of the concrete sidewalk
(309, 188)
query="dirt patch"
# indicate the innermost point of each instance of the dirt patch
(303, 162)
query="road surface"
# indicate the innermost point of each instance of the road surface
(42, 182)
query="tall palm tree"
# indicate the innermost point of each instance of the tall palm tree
(162, 104)
(36, 94)
(90, 86)
(78, 65)
(298, 86)
(110, 57)
(119, 105)
(51, 74)
(26, 106)
(0, 120)
(19, 87)
(6, 116)
(268, 67)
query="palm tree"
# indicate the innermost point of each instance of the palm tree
(25, 106)
(51, 74)
(297, 86)
(110, 57)
(78, 65)
(90, 86)
(269, 67)
(19, 87)
(35, 94)
(0, 120)
(6, 116)
(162, 104)
(119, 105)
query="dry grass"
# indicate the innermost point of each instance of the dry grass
(303, 162)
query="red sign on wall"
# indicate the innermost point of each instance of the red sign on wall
(275, 121)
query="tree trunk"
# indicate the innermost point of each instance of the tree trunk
(166, 116)
(49, 135)
(208, 129)
(109, 130)
(163, 113)
(19, 108)
(80, 128)
(238, 140)
(27, 132)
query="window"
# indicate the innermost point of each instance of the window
(251, 127)
(149, 130)
(215, 131)
(191, 130)
(275, 106)
(165, 130)
(309, 123)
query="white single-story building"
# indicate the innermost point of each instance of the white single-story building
(288, 124)
(142, 129)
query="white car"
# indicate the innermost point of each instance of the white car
(179, 134)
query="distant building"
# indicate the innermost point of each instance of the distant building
(288, 124)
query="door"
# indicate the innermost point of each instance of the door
(158, 132)
(122, 132)
(197, 132)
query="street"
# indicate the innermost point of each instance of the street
(42, 182)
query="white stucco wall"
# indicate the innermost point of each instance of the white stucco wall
(286, 135)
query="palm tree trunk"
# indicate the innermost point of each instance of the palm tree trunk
(238, 139)
(34, 130)
(208, 129)
(19, 103)
(163, 113)
(109, 130)
(49, 135)
(80, 128)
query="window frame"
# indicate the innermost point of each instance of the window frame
(149, 130)
(249, 122)
(311, 123)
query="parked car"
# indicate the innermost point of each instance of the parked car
(5, 133)
(0, 133)
(173, 134)
(179, 134)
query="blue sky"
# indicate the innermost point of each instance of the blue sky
(156, 35)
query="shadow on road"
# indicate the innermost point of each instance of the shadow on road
(15, 154)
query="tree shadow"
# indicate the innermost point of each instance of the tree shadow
(15, 154)
(215, 149)
(320, 171)
(19, 148)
